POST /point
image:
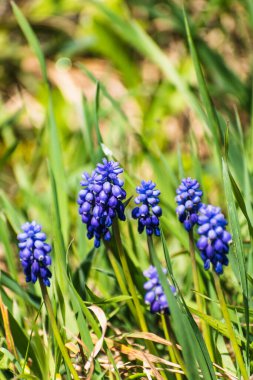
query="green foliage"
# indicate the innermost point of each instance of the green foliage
(82, 80)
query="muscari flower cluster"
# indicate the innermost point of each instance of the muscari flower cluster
(100, 200)
(189, 202)
(148, 212)
(34, 253)
(155, 296)
(214, 240)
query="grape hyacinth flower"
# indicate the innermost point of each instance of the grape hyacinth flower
(214, 240)
(149, 212)
(100, 200)
(189, 202)
(155, 296)
(34, 253)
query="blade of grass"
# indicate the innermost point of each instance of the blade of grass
(202, 352)
(54, 144)
(87, 130)
(21, 341)
(10, 283)
(238, 247)
(104, 90)
(212, 118)
(194, 351)
(15, 219)
(217, 325)
(5, 239)
(31, 38)
(131, 32)
(97, 129)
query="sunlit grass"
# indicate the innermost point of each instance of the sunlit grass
(162, 118)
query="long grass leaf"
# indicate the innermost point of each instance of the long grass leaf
(184, 331)
(31, 38)
(213, 121)
(54, 144)
(238, 253)
(202, 354)
(132, 32)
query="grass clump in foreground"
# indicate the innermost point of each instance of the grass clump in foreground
(156, 284)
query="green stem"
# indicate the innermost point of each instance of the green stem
(30, 339)
(141, 319)
(172, 349)
(150, 248)
(56, 331)
(231, 332)
(139, 314)
(121, 282)
(199, 300)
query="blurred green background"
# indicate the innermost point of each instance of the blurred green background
(150, 112)
(149, 107)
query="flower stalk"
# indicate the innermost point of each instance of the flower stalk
(56, 331)
(173, 350)
(231, 332)
(140, 316)
(199, 300)
(139, 313)
(121, 282)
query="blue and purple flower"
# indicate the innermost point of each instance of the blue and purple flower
(214, 240)
(100, 200)
(189, 202)
(34, 253)
(148, 213)
(155, 296)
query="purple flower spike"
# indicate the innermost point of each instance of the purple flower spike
(189, 202)
(34, 253)
(155, 296)
(100, 200)
(214, 240)
(148, 213)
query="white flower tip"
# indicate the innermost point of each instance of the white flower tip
(106, 150)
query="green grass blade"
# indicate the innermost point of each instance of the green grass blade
(217, 325)
(97, 129)
(213, 121)
(15, 219)
(185, 333)
(201, 349)
(5, 239)
(31, 38)
(57, 166)
(54, 144)
(238, 253)
(10, 283)
(87, 131)
(59, 251)
(132, 32)
(22, 341)
(103, 89)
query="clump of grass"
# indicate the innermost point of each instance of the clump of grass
(93, 322)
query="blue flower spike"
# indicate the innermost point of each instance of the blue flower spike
(100, 200)
(148, 213)
(155, 296)
(214, 240)
(189, 202)
(34, 253)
